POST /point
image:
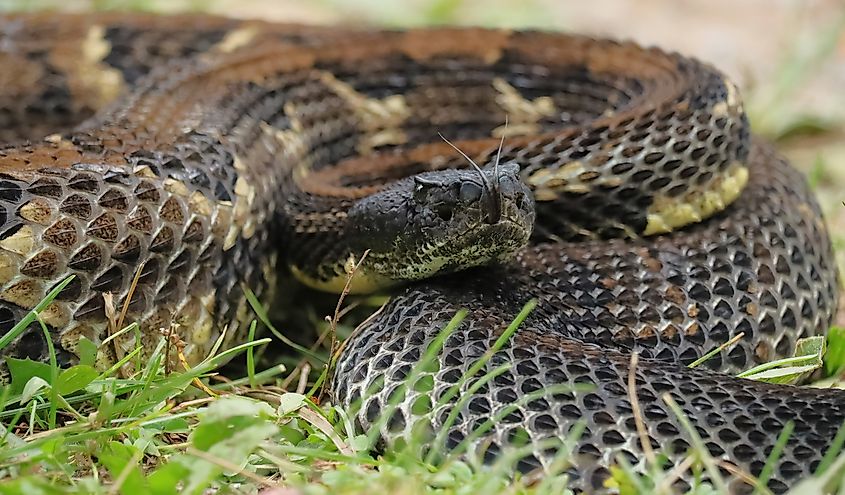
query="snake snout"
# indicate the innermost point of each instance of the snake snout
(513, 195)
(443, 221)
(496, 193)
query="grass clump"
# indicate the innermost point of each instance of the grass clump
(188, 431)
(191, 430)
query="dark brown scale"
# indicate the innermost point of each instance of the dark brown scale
(187, 180)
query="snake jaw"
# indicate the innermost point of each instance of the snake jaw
(443, 221)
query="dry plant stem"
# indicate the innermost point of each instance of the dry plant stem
(347, 309)
(116, 322)
(642, 431)
(191, 403)
(303, 378)
(674, 475)
(304, 361)
(132, 288)
(168, 348)
(111, 316)
(739, 473)
(324, 426)
(220, 378)
(293, 375)
(333, 321)
(228, 466)
(196, 381)
(327, 332)
(736, 338)
(272, 398)
(376, 313)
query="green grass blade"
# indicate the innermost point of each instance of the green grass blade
(832, 452)
(259, 310)
(27, 320)
(774, 456)
(250, 356)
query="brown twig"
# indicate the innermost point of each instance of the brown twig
(338, 310)
(196, 381)
(357, 329)
(642, 431)
(304, 361)
(170, 333)
(116, 322)
(195, 402)
(292, 376)
(333, 321)
(112, 329)
(125, 309)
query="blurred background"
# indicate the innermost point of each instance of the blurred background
(788, 56)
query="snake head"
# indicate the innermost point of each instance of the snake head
(443, 221)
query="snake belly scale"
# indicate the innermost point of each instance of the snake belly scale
(625, 194)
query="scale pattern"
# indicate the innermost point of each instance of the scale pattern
(670, 299)
(199, 154)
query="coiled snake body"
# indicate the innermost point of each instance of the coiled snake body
(200, 153)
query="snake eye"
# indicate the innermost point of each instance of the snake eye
(470, 192)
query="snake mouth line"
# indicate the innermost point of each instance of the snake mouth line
(509, 233)
(369, 277)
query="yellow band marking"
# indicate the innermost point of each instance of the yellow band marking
(26, 293)
(56, 315)
(236, 39)
(8, 268)
(381, 119)
(176, 187)
(22, 242)
(523, 115)
(144, 171)
(101, 84)
(240, 221)
(667, 214)
(200, 204)
(37, 211)
(732, 104)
